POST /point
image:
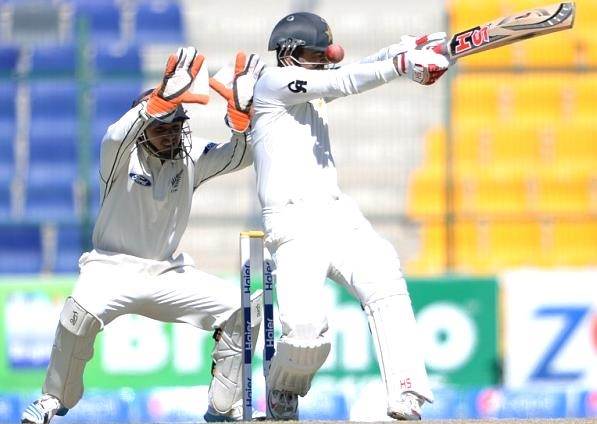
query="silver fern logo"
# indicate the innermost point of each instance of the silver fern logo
(175, 182)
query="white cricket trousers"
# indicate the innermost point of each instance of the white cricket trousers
(111, 285)
(310, 241)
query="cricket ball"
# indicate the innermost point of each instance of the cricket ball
(334, 53)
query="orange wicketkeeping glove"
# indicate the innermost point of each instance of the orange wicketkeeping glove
(240, 96)
(181, 70)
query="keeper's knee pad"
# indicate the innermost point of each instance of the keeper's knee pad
(225, 389)
(295, 363)
(72, 349)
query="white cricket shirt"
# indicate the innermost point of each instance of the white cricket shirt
(291, 146)
(146, 202)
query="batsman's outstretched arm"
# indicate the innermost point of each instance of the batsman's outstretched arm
(296, 85)
(407, 42)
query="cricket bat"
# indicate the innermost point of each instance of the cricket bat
(509, 29)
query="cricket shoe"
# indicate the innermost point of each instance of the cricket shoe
(282, 405)
(408, 408)
(42, 410)
(235, 414)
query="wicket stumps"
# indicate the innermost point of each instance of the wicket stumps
(260, 256)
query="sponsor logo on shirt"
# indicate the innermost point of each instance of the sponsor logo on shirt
(175, 181)
(208, 147)
(297, 86)
(140, 179)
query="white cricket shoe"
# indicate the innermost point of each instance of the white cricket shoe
(213, 416)
(282, 405)
(235, 414)
(408, 408)
(42, 410)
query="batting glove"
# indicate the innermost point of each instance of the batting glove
(181, 70)
(424, 66)
(240, 96)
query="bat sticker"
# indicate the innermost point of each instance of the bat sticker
(470, 39)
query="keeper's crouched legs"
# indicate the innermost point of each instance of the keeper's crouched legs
(225, 390)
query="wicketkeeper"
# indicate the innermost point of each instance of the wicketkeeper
(313, 230)
(149, 169)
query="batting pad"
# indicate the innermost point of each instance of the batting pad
(72, 349)
(394, 330)
(225, 389)
(295, 363)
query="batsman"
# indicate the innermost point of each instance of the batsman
(313, 230)
(150, 167)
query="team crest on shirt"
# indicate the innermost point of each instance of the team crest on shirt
(140, 179)
(297, 86)
(175, 182)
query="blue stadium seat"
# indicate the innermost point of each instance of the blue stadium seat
(7, 131)
(69, 248)
(159, 22)
(94, 195)
(50, 202)
(113, 98)
(54, 60)
(53, 159)
(8, 92)
(53, 112)
(7, 167)
(98, 131)
(9, 57)
(4, 201)
(118, 60)
(53, 133)
(103, 18)
(53, 99)
(20, 249)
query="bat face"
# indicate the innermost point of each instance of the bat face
(510, 29)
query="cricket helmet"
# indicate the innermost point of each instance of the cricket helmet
(175, 151)
(306, 29)
(297, 31)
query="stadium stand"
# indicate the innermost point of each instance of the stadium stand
(32, 22)
(53, 159)
(117, 60)
(54, 60)
(7, 131)
(9, 58)
(103, 18)
(50, 202)
(158, 22)
(20, 249)
(521, 144)
(68, 249)
(5, 201)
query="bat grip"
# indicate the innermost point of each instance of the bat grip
(441, 49)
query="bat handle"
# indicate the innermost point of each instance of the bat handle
(444, 50)
(441, 49)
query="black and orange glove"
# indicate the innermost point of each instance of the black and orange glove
(181, 70)
(240, 96)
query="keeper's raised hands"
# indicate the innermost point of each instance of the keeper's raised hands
(240, 96)
(181, 70)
